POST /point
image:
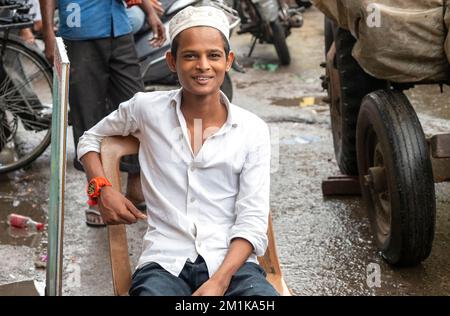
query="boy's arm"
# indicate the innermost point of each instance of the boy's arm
(48, 11)
(238, 253)
(159, 34)
(113, 206)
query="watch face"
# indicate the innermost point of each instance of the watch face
(91, 188)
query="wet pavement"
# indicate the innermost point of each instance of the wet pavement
(324, 244)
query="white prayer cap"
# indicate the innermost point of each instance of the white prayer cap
(199, 16)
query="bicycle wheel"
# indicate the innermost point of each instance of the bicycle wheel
(25, 105)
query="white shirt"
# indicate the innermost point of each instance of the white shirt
(195, 205)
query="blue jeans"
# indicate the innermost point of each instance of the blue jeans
(153, 280)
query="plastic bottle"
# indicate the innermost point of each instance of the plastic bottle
(20, 221)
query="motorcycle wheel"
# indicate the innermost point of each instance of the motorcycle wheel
(279, 41)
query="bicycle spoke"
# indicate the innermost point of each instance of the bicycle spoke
(25, 96)
(35, 123)
(18, 88)
(17, 107)
(3, 128)
(5, 83)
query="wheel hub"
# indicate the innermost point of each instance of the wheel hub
(376, 180)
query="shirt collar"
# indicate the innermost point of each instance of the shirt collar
(175, 101)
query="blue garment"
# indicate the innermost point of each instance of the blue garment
(92, 19)
(136, 17)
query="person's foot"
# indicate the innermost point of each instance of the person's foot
(27, 35)
(94, 218)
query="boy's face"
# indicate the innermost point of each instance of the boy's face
(201, 62)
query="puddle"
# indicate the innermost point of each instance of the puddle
(286, 101)
(15, 197)
(302, 102)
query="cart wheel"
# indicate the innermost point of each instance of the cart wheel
(396, 177)
(347, 85)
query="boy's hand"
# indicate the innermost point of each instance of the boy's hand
(212, 287)
(117, 209)
(49, 40)
(158, 7)
(159, 33)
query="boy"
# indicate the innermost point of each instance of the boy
(205, 170)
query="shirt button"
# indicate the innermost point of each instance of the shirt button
(192, 199)
(199, 243)
(192, 168)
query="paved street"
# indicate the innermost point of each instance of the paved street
(325, 245)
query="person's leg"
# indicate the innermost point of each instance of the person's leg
(250, 280)
(87, 85)
(125, 80)
(124, 83)
(153, 280)
(87, 95)
(199, 273)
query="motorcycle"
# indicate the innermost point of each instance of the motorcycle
(154, 69)
(304, 3)
(269, 21)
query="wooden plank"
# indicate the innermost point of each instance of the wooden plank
(441, 169)
(341, 185)
(440, 146)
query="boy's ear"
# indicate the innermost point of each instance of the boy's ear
(230, 60)
(170, 59)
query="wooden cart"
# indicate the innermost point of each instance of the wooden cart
(379, 140)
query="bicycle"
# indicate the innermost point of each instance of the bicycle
(26, 82)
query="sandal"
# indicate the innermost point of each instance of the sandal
(93, 218)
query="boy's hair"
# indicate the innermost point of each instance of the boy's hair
(174, 46)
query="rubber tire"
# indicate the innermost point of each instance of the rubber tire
(4, 130)
(409, 175)
(279, 41)
(355, 83)
(227, 87)
(40, 59)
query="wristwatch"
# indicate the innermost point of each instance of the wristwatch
(94, 188)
